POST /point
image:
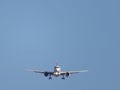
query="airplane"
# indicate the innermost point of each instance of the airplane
(57, 72)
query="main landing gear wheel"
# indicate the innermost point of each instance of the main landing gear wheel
(50, 78)
(63, 78)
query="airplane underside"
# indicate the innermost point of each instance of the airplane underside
(63, 77)
(55, 74)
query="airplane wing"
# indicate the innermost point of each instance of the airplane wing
(73, 72)
(80, 71)
(37, 71)
(46, 73)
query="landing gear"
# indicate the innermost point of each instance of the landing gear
(50, 78)
(63, 78)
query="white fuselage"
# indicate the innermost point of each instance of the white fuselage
(57, 70)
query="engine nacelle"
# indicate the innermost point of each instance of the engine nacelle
(46, 74)
(67, 74)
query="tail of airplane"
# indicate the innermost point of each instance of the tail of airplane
(57, 63)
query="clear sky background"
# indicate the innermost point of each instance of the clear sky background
(79, 34)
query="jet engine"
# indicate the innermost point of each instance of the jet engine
(67, 74)
(46, 74)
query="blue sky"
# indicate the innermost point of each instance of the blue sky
(79, 34)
